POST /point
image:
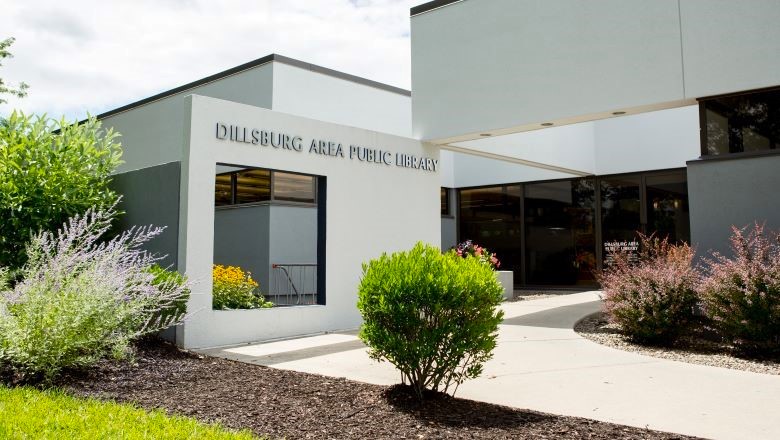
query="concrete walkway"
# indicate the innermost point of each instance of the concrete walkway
(542, 364)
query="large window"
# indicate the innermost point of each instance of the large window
(560, 232)
(747, 122)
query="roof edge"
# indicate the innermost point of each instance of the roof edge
(435, 4)
(251, 65)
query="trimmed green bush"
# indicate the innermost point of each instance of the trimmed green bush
(653, 298)
(432, 315)
(49, 171)
(741, 294)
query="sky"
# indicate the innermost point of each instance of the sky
(90, 56)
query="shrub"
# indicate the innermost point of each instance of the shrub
(81, 299)
(741, 295)
(652, 298)
(235, 289)
(469, 248)
(432, 315)
(49, 171)
(168, 281)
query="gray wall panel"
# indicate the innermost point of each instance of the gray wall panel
(730, 192)
(241, 239)
(151, 196)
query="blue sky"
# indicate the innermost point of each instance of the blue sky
(84, 56)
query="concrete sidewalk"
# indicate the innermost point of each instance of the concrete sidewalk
(542, 364)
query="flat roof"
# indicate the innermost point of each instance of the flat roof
(256, 63)
(435, 4)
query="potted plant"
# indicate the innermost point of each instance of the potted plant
(506, 277)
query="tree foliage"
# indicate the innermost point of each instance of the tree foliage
(49, 171)
(21, 90)
(432, 315)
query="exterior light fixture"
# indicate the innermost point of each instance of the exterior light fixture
(618, 113)
(547, 124)
(485, 134)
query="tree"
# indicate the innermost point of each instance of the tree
(49, 171)
(19, 92)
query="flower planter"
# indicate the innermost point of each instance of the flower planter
(506, 278)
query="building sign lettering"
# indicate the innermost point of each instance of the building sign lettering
(630, 247)
(284, 141)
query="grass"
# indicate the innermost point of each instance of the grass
(28, 413)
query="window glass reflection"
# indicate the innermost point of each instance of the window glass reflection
(492, 218)
(293, 187)
(253, 186)
(620, 214)
(223, 190)
(742, 123)
(667, 207)
(445, 201)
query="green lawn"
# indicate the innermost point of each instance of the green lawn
(27, 413)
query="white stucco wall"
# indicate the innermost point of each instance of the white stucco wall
(318, 96)
(371, 208)
(647, 141)
(493, 65)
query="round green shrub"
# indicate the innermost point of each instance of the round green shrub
(432, 315)
(741, 293)
(652, 299)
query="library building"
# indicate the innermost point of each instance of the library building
(550, 133)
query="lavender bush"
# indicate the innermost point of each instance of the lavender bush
(651, 299)
(741, 295)
(82, 299)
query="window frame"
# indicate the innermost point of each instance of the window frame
(272, 200)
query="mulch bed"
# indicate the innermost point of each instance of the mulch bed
(292, 405)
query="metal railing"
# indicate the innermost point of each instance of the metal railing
(293, 284)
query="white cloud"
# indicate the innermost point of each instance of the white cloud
(94, 55)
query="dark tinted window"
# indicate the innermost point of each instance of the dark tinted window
(560, 232)
(742, 123)
(667, 207)
(445, 201)
(492, 218)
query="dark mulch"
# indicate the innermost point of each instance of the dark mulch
(286, 404)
